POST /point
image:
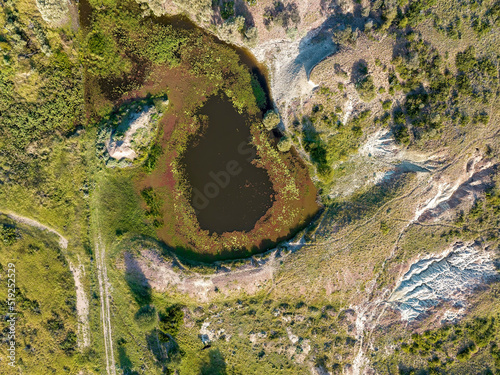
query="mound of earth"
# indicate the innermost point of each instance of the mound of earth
(129, 134)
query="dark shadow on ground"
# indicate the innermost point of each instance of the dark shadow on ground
(216, 365)
(241, 9)
(137, 281)
(125, 363)
(359, 70)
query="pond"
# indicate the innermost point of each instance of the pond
(229, 193)
(243, 203)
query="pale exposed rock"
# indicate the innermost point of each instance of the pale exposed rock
(253, 338)
(163, 275)
(293, 338)
(449, 276)
(54, 12)
(206, 335)
(121, 147)
(453, 315)
(320, 370)
(209, 335)
(291, 63)
(449, 195)
(380, 144)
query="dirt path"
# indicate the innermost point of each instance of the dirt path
(102, 277)
(82, 305)
(82, 302)
(103, 283)
(63, 242)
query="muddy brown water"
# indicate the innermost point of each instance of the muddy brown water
(229, 193)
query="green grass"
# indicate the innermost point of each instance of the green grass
(49, 172)
(45, 303)
(119, 205)
(467, 346)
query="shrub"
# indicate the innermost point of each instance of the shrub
(101, 54)
(8, 234)
(155, 204)
(465, 353)
(481, 330)
(344, 36)
(466, 60)
(146, 316)
(171, 320)
(162, 45)
(366, 88)
(401, 134)
(384, 228)
(281, 14)
(318, 152)
(481, 27)
(55, 324)
(227, 9)
(69, 343)
(271, 120)
(153, 156)
(284, 144)
(258, 92)
(387, 105)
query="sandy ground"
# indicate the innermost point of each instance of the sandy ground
(163, 275)
(82, 305)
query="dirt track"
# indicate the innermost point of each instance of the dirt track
(102, 276)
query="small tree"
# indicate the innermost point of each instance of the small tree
(284, 144)
(271, 120)
(170, 321)
(366, 88)
(345, 36)
(401, 134)
(227, 10)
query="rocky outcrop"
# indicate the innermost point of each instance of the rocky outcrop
(136, 130)
(126, 138)
(447, 277)
(54, 12)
